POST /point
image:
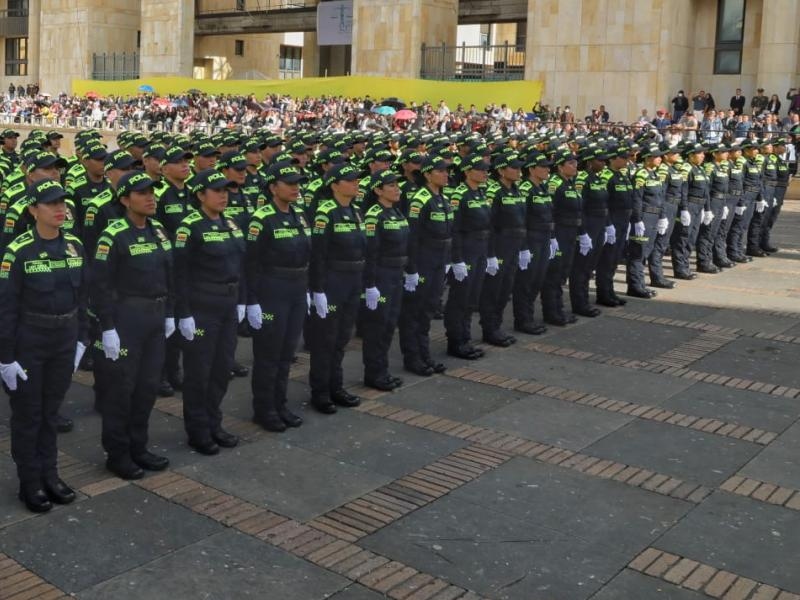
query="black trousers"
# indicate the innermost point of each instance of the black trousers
(134, 377)
(708, 233)
(774, 212)
(737, 238)
(683, 240)
(640, 251)
(329, 336)
(47, 355)
(284, 308)
(760, 220)
(463, 296)
(584, 266)
(612, 254)
(418, 307)
(377, 326)
(528, 283)
(496, 290)
(207, 362)
(721, 239)
(557, 271)
(656, 262)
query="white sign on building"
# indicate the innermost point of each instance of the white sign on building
(335, 23)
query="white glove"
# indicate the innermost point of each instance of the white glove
(686, 218)
(111, 344)
(708, 216)
(492, 266)
(187, 327)
(169, 326)
(460, 271)
(9, 373)
(638, 229)
(80, 349)
(524, 259)
(372, 295)
(553, 248)
(611, 235)
(253, 312)
(584, 244)
(447, 268)
(662, 225)
(240, 312)
(775, 201)
(761, 205)
(411, 281)
(321, 304)
(725, 212)
(308, 303)
(739, 210)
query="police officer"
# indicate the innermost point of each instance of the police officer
(723, 251)
(673, 176)
(104, 209)
(541, 243)
(42, 338)
(717, 171)
(132, 294)
(430, 222)
(209, 303)
(647, 220)
(763, 206)
(338, 244)
(387, 248)
(743, 213)
(91, 181)
(698, 192)
(8, 150)
(470, 246)
(781, 184)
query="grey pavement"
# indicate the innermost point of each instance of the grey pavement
(525, 529)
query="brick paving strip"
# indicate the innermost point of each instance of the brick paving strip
(762, 491)
(708, 580)
(654, 367)
(640, 411)
(18, 583)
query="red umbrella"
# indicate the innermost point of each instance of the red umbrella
(162, 102)
(92, 95)
(405, 115)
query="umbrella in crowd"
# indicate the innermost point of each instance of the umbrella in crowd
(92, 95)
(395, 103)
(405, 115)
(384, 110)
(146, 88)
(162, 102)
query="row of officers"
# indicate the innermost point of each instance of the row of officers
(181, 260)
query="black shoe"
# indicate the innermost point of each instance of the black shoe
(770, 249)
(124, 468)
(437, 367)
(64, 424)
(610, 302)
(557, 320)
(498, 338)
(710, 269)
(530, 328)
(240, 370)
(741, 259)
(384, 384)
(207, 447)
(685, 276)
(151, 462)
(588, 311)
(323, 405)
(571, 318)
(725, 264)
(396, 381)
(58, 491)
(272, 422)
(165, 390)
(756, 252)
(35, 499)
(465, 351)
(288, 417)
(344, 398)
(645, 293)
(225, 439)
(418, 368)
(663, 283)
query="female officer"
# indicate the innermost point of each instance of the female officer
(276, 264)
(43, 332)
(387, 249)
(209, 258)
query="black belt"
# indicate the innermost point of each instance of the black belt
(287, 272)
(144, 302)
(673, 199)
(47, 321)
(597, 212)
(478, 234)
(750, 188)
(541, 226)
(434, 243)
(736, 192)
(346, 265)
(514, 232)
(217, 289)
(697, 199)
(781, 185)
(718, 195)
(570, 222)
(392, 261)
(652, 210)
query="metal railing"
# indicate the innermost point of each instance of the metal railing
(115, 66)
(14, 22)
(210, 7)
(473, 63)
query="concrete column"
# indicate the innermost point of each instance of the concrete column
(167, 38)
(388, 34)
(780, 43)
(34, 37)
(310, 54)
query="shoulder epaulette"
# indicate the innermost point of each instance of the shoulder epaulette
(116, 227)
(21, 241)
(374, 210)
(192, 217)
(72, 238)
(326, 206)
(265, 211)
(423, 194)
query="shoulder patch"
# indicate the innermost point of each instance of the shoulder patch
(20, 241)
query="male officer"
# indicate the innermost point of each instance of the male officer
(647, 220)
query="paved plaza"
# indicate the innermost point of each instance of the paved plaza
(651, 452)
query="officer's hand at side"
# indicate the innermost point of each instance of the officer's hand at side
(638, 229)
(240, 310)
(410, 282)
(111, 344)
(460, 271)
(169, 326)
(187, 328)
(584, 244)
(523, 259)
(372, 295)
(254, 315)
(553, 248)
(610, 235)
(492, 266)
(9, 373)
(740, 210)
(321, 304)
(686, 218)
(80, 349)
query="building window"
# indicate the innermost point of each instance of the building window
(520, 41)
(240, 5)
(290, 63)
(238, 47)
(485, 35)
(138, 39)
(730, 35)
(17, 8)
(17, 57)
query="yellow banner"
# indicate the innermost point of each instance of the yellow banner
(516, 94)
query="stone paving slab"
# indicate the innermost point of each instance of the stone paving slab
(225, 565)
(756, 359)
(357, 592)
(752, 539)
(630, 585)
(290, 480)
(662, 306)
(780, 462)
(749, 322)
(677, 451)
(88, 542)
(555, 422)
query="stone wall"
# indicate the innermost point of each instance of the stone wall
(167, 37)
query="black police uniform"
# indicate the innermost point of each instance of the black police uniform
(769, 180)
(387, 252)
(42, 317)
(648, 208)
(620, 206)
(278, 253)
(725, 254)
(676, 200)
(132, 291)
(99, 214)
(684, 237)
(82, 190)
(781, 184)
(751, 190)
(719, 183)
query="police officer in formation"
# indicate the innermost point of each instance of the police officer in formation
(309, 233)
